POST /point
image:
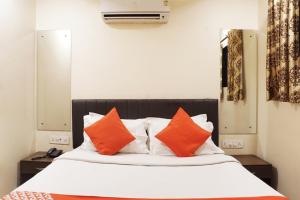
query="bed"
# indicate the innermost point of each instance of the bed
(85, 175)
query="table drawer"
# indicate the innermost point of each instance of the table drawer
(32, 167)
(261, 171)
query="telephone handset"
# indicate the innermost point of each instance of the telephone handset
(53, 153)
(51, 150)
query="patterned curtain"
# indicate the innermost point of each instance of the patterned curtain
(283, 60)
(235, 66)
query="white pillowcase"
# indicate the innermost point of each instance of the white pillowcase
(156, 125)
(135, 127)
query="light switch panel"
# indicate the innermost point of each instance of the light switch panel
(233, 144)
(59, 139)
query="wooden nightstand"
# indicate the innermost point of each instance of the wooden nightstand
(257, 166)
(29, 168)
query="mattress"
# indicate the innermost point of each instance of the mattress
(140, 176)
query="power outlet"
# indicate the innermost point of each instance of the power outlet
(233, 144)
(59, 139)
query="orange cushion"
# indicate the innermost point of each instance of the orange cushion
(109, 134)
(182, 135)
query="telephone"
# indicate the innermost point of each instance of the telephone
(53, 152)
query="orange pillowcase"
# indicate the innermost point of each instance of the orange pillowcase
(182, 135)
(109, 134)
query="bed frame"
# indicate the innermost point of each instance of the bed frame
(141, 108)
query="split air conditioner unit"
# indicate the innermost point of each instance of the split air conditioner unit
(135, 11)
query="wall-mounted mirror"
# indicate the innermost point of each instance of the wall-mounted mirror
(238, 104)
(54, 80)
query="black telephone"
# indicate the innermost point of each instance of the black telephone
(53, 153)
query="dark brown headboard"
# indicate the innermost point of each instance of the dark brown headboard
(141, 108)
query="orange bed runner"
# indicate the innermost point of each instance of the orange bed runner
(45, 196)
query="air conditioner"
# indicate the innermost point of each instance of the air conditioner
(135, 11)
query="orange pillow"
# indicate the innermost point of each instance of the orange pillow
(109, 134)
(182, 135)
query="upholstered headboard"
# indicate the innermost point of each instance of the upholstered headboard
(141, 108)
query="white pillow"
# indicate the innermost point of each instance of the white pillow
(156, 125)
(135, 127)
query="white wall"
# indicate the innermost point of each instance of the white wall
(178, 60)
(278, 125)
(17, 23)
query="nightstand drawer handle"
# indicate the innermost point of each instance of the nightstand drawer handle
(39, 168)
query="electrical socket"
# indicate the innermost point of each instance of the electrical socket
(59, 139)
(233, 144)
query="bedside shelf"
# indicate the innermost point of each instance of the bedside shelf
(257, 166)
(29, 168)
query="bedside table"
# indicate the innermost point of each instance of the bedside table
(257, 166)
(29, 168)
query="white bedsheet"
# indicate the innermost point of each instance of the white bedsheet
(86, 173)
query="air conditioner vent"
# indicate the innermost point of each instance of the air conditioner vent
(135, 11)
(132, 15)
